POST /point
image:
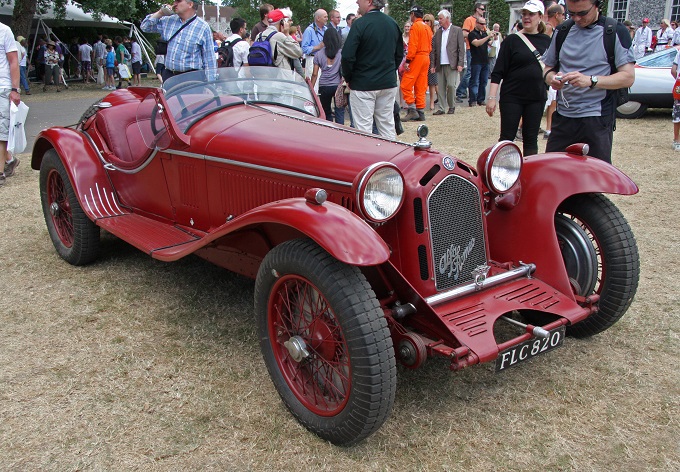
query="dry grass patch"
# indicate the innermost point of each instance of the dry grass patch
(131, 363)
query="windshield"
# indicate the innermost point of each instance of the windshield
(191, 96)
(659, 59)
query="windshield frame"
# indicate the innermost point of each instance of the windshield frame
(193, 95)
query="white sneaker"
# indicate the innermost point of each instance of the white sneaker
(676, 146)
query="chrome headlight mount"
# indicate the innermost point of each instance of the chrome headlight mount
(501, 167)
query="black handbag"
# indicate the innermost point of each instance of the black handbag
(162, 46)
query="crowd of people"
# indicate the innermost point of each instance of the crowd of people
(55, 62)
(646, 41)
(382, 68)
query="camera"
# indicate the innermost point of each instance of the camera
(558, 77)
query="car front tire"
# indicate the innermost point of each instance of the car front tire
(601, 256)
(325, 342)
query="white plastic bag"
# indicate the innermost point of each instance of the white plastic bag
(16, 142)
(123, 71)
(100, 74)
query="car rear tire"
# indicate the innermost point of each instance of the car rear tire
(74, 236)
(325, 342)
(631, 110)
(601, 256)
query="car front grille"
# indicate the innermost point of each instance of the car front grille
(458, 243)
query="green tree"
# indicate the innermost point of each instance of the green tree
(499, 12)
(25, 10)
(303, 10)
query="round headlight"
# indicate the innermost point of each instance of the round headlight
(380, 192)
(502, 167)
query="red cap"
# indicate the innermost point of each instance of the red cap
(645, 20)
(275, 15)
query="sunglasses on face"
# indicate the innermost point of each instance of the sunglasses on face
(581, 13)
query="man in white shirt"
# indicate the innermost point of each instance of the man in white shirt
(85, 56)
(9, 92)
(99, 58)
(447, 59)
(136, 60)
(642, 41)
(238, 42)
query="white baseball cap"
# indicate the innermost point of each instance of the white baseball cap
(534, 6)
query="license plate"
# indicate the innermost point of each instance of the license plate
(528, 349)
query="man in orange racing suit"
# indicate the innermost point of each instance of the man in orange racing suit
(417, 65)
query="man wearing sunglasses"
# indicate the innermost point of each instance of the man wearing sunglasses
(585, 81)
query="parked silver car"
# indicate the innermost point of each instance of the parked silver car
(653, 86)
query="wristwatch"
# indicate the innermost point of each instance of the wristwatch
(593, 81)
(15, 90)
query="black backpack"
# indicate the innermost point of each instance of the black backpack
(609, 39)
(225, 54)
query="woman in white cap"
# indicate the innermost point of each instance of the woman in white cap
(52, 70)
(523, 94)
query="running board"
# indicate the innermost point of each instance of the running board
(146, 234)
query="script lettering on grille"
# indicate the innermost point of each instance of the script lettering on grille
(454, 258)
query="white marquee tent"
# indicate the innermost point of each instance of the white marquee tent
(75, 16)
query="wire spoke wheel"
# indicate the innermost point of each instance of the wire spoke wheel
(309, 346)
(325, 342)
(600, 255)
(74, 235)
(59, 208)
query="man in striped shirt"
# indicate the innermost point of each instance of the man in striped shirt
(192, 48)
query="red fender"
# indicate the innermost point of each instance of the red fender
(88, 177)
(526, 232)
(340, 232)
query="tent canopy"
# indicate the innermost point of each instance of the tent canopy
(75, 16)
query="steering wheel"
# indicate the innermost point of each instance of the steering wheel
(189, 84)
(176, 90)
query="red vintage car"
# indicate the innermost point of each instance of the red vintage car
(367, 253)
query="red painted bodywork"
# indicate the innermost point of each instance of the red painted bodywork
(231, 187)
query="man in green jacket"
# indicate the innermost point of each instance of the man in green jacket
(370, 57)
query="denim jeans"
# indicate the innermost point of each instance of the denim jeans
(479, 76)
(463, 86)
(24, 80)
(326, 97)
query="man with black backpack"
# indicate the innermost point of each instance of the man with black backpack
(589, 62)
(234, 50)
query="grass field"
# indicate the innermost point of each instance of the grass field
(134, 364)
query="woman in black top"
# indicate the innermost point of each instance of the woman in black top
(524, 93)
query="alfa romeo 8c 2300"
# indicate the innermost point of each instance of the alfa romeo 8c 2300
(366, 253)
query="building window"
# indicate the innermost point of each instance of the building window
(620, 9)
(675, 10)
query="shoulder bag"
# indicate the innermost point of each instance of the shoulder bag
(533, 50)
(162, 46)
